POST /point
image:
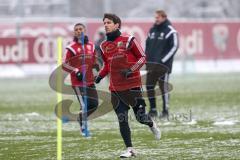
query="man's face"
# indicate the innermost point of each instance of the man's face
(78, 30)
(159, 19)
(109, 25)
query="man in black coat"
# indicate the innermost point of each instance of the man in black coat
(161, 46)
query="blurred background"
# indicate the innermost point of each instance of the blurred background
(209, 31)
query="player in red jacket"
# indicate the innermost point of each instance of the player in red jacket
(79, 62)
(123, 57)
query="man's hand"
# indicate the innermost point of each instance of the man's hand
(98, 79)
(126, 72)
(79, 75)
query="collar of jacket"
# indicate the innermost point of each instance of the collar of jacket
(75, 39)
(162, 25)
(113, 35)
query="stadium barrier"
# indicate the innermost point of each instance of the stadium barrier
(28, 46)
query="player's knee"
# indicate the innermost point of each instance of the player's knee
(140, 104)
(93, 104)
(140, 111)
(122, 119)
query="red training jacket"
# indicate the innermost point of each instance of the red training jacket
(123, 53)
(74, 62)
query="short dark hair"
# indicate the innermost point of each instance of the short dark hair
(80, 24)
(113, 17)
(162, 13)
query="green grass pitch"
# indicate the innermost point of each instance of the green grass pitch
(210, 129)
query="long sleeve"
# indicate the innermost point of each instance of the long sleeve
(139, 54)
(105, 69)
(95, 61)
(173, 46)
(66, 64)
(147, 44)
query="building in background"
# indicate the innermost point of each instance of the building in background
(133, 9)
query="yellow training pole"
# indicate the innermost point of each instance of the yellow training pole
(59, 99)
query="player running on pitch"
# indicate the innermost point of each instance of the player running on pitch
(74, 64)
(123, 57)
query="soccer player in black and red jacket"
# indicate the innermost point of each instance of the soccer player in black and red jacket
(81, 70)
(123, 57)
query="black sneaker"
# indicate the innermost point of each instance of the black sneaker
(153, 112)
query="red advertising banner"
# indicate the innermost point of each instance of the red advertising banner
(36, 42)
